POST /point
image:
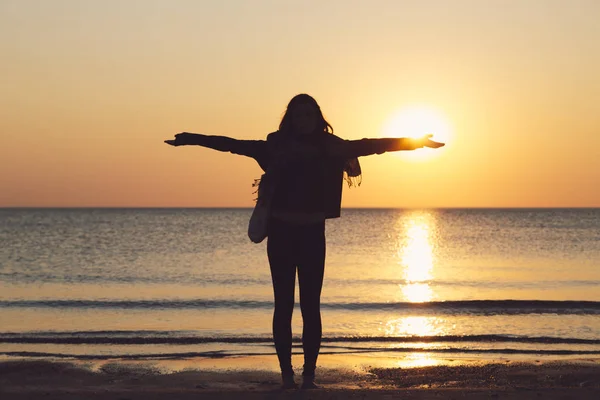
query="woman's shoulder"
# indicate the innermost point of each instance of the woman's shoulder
(273, 136)
(278, 135)
(277, 140)
(331, 138)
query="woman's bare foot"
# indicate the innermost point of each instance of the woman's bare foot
(308, 383)
(288, 382)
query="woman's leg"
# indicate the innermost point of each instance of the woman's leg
(283, 274)
(311, 268)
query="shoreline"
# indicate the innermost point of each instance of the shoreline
(339, 377)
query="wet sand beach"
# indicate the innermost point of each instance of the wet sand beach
(501, 379)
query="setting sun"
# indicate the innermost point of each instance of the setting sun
(416, 122)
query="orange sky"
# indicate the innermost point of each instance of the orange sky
(90, 89)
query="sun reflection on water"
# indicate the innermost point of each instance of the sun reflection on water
(417, 292)
(416, 326)
(411, 326)
(416, 255)
(416, 360)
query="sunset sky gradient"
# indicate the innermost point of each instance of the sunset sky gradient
(90, 89)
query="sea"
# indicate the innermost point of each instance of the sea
(152, 284)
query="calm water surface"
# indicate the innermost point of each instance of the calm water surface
(187, 282)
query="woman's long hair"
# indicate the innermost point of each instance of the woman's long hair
(285, 126)
(352, 170)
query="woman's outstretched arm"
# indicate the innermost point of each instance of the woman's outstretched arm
(250, 148)
(365, 147)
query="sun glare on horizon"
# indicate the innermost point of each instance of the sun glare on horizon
(416, 122)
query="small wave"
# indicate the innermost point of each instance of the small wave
(19, 276)
(151, 337)
(470, 307)
(41, 277)
(109, 333)
(224, 354)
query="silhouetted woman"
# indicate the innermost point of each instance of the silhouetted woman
(310, 164)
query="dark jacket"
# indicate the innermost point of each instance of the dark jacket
(307, 184)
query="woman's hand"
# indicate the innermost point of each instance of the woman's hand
(181, 139)
(425, 141)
